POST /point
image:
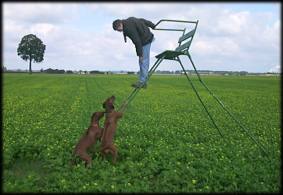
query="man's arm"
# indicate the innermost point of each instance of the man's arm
(148, 23)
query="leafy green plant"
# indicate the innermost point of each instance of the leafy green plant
(166, 142)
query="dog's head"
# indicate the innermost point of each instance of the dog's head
(109, 103)
(97, 116)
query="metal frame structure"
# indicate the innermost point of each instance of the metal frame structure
(183, 49)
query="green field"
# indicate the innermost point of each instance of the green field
(166, 142)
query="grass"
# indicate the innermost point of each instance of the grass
(166, 142)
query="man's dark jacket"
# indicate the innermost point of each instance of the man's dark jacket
(137, 30)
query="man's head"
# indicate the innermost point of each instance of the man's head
(118, 25)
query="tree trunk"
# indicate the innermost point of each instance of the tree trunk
(30, 65)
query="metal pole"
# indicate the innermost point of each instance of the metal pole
(150, 73)
(154, 67)
(136, 90)
(168, 29)
(223, 106)
(166, 20)
(198, 96)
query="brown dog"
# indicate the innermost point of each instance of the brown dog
(110, 126)
(89, 138)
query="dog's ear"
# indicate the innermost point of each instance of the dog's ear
(93, 115)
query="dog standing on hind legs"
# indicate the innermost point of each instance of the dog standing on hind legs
(110, 125)
(93, 133)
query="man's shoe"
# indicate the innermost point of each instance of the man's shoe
(144, 86)
(136, 85)
(139, 85)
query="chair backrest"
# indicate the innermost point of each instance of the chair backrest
(185, 40)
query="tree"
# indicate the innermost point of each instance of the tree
(31, 48)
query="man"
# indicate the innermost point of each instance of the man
(137, 30)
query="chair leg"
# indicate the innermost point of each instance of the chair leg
(154, 67)
(198, 96)
(136, 90)
(224, 107)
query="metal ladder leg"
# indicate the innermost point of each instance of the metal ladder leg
(136, 90)
(198, 96)
(223, 106)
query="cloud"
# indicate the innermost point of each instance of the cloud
(225, 39)
(232, 23)
(40, 12)
(275, 69)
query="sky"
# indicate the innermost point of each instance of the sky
(79, 36)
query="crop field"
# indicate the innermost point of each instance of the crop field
(166, 141)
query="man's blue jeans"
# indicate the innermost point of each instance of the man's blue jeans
(144, 65)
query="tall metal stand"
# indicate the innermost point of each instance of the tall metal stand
(175, 57)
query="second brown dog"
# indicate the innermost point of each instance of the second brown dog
(93, 133)
(110, 125)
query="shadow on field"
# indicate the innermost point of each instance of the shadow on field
(30, 172)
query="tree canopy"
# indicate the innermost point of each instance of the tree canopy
(31, 48)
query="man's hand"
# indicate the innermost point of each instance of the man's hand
(140, 59)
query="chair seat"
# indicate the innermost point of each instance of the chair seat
(169, 54)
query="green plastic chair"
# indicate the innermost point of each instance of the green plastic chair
(184, 42)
